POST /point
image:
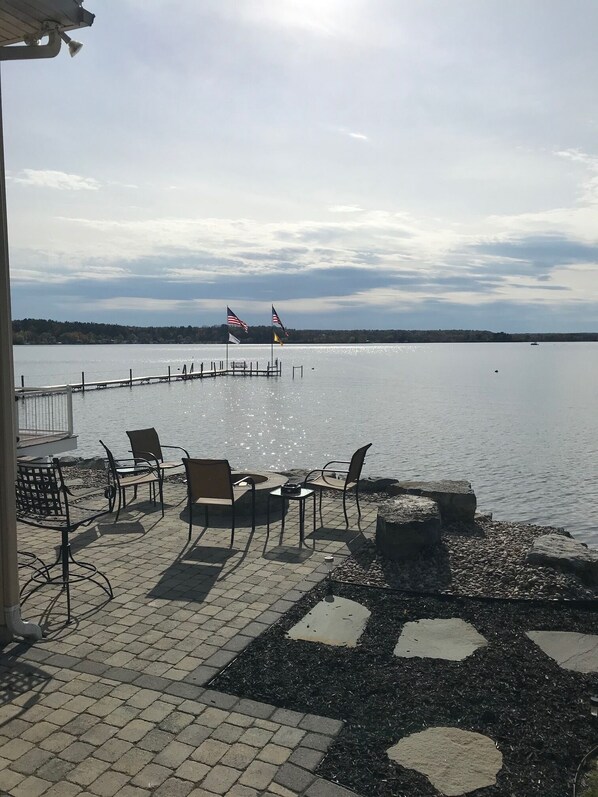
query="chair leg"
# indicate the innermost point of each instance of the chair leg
(64, 562)
(94, 573)
(357, 500)
(232, 531)
(253, 509)
(161, 491)
(121, 491)
(111, 494)
(345, 507)
(190, 520)
(65, 556)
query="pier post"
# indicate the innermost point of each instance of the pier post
(169, 373)
(82, 381)
(130, 377)
(22, 381)
(201, 368)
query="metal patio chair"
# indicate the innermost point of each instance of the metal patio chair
(126, 473)
(43, 500)
(145, 444)
(330, 477)
(210, 483)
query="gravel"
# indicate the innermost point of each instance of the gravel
(537, 713)
(486, 558)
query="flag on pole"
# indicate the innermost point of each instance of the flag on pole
(234, 321)
(276, 320)
(277, 339)
(233, 339)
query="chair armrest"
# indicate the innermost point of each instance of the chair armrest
(337, 462)
(180, 448)
(146, 456)
(80, 502)
(323, 471)
(139, 464)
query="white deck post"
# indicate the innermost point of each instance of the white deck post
(10, 612)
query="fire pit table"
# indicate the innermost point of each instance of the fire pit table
(265, 481)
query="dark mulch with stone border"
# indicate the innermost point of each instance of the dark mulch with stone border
(536, 712)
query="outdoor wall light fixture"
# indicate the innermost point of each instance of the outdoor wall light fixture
(73, 45)
(329, 562)
(31, 47)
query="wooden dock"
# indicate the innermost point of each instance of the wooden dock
(237, 368)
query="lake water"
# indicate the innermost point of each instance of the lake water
(519, 422)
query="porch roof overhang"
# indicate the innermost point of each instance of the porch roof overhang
(26, 20)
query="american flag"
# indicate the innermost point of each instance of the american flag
(276, 320)
(234, 321)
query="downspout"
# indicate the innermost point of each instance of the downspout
(11, 624)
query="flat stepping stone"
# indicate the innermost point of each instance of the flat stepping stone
(454, 761)
(570, 649)
(332, 621)
(451, 639)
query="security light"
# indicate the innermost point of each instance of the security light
(73, 45)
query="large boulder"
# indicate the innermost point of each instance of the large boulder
(564, 553)
(407, 526)
(376, 484)
(456, 500)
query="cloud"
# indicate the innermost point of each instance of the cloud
(589, 184)
(344, 131)
(345, 209)
(62, 181)
(323, 18)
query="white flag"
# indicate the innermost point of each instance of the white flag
(233, 339)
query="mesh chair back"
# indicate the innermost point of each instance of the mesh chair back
(144, 442)
(356, 465)
(40, 490)
(209, 478)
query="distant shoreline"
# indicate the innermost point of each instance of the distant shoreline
(47, 332)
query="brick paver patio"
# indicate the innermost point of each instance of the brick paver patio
(116, 703)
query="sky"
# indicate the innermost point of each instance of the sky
(410, 164)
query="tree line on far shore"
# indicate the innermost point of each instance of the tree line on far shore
(40, 331)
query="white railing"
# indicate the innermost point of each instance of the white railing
(44, 412)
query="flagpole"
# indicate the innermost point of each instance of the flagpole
(227, 339)
(272, 348)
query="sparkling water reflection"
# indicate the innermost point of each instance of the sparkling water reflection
(519, 422)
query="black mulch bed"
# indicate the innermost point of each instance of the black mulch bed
(536, 712)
